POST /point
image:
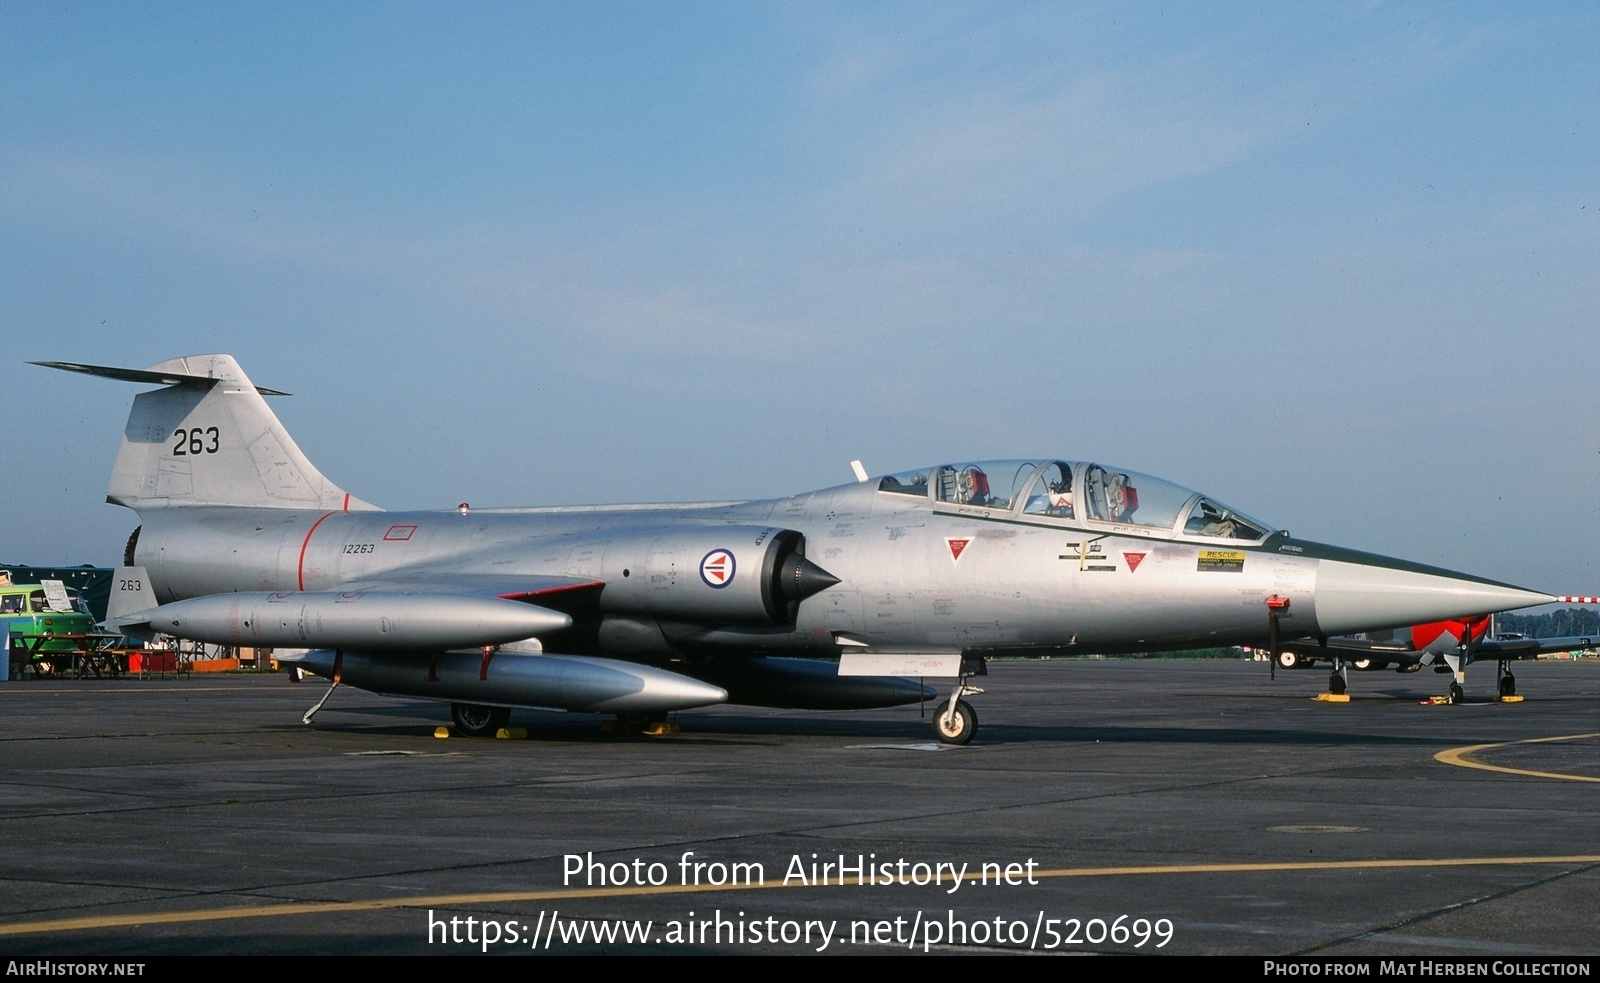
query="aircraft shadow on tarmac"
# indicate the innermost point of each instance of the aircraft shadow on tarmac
(700, 729)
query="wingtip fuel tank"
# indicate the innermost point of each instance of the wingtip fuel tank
(580, 684)
(369, 620)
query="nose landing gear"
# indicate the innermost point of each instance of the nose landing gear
(955, 722)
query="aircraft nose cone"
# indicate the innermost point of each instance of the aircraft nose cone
(1353, 596)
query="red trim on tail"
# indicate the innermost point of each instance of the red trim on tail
(1424, 635)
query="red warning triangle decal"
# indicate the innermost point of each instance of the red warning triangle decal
(1134, 559)
(956, 546)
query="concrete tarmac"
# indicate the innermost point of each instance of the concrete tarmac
(1127, 806)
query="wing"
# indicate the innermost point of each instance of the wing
(534, 588)
(399, 614)
(1528, 648)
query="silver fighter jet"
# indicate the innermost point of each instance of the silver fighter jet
(1448, 646)
(824, 600)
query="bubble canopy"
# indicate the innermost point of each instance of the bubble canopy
(1074, 493)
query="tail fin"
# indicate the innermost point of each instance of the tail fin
(1448, 636)
(208, 438)
(131, 597)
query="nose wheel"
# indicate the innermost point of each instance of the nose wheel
(1338, 682)
(1508, 682)
(955, 724)
(1456, 695)
(954, 721)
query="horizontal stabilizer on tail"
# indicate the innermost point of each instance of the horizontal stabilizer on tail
(145, 375)
(209, 438)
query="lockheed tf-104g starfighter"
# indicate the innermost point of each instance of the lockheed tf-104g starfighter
(824, 600)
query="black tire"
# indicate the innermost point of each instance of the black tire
(963, 723)
(1456, 696)
(1336, 684)
(476, 720)
(1508, 685)
(633, 724)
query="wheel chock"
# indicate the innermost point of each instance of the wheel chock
(1436, 701)
(441, 732)
(511, 734)
(1334, 697)
(662, 729)
(1513, 698)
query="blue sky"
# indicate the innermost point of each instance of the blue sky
(1338, 265)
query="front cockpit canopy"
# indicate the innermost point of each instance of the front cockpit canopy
(1074, 493)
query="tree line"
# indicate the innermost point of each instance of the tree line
(1557, 624)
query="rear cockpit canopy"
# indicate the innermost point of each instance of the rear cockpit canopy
(1074, 494)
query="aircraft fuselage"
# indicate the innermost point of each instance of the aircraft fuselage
(911, 577)
(651, 608)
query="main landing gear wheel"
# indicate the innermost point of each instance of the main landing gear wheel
(475, 720)
(1508, 685)
(1456, 696)
(634, 724)
(1336, 683)
(955, 726)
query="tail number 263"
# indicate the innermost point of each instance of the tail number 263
(195, 441)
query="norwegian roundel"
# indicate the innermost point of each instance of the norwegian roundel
(716, 569)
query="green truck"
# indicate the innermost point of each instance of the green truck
(43, 619)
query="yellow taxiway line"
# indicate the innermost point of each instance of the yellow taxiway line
(566, 894)
(1463, 757)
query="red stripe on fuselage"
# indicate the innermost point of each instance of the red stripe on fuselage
(300, 567)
